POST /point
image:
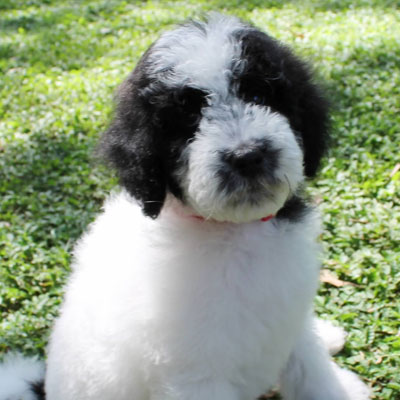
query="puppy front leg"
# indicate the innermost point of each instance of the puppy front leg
(311, 375)
(207, 389)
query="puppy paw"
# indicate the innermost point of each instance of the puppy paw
(334, 337)
(352, 385)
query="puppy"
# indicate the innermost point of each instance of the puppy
(197, 281)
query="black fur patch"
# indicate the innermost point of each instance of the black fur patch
(295, 209)
(38, 389)
(274, 77)
(152, 124)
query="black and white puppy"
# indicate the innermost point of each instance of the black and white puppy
(197, 281)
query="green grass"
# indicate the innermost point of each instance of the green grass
(59, 64)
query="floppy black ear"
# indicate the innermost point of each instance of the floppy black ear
(310, 119)
(131, 145)
(304, 104)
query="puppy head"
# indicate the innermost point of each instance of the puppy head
(221, 116)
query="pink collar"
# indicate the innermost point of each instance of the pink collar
(267, 218)
(264, 219)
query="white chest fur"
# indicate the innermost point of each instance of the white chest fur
(218, 300)
(229, 299)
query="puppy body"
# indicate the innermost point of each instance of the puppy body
(180, 308)
(178, 305)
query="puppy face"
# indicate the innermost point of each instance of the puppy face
(223, 117)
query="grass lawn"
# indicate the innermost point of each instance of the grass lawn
(60, 62)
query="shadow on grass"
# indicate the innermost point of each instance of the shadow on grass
(74, 35)
(53, 181)
(61, 13)
(51, 190)
(6, 5)
(68, 37)
(317, 5)
(322, 5)
(23, 4)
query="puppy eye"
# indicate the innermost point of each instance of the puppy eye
(190, 99)
(258, 99)
(254, 89)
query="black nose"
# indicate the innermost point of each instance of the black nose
(246, 159)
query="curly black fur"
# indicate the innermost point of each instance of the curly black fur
(38, 389)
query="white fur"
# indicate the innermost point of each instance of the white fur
(15, 374)
(177, 303)
(184, 309)
(311, 375)
(191, 58)
(334, 337)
